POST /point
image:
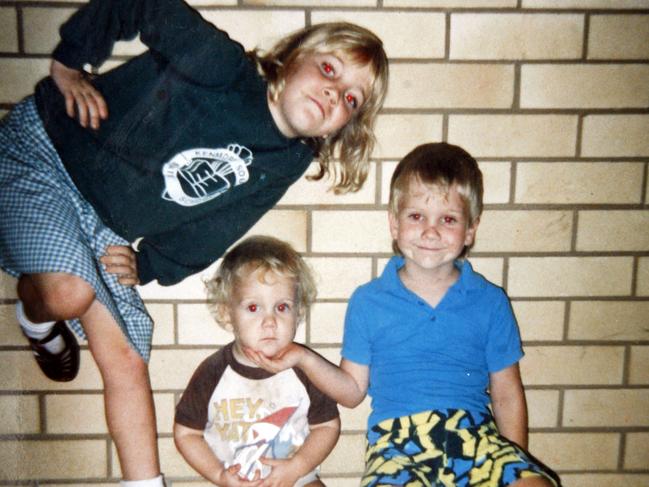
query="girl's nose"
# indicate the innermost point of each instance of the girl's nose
(332, 94)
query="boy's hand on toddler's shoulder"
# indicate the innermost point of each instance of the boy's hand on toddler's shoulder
(289, 357)
(120, 260)
(81, 97)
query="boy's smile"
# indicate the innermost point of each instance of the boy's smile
(263, 311)
(321, 94)
(431, 228)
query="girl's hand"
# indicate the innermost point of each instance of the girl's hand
(79, 93)
(230, 478)
(287, 358)
(284, 473)
(120, 260)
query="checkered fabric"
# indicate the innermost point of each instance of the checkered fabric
(47, 226)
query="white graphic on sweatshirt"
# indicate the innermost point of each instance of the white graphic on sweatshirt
(196, 176)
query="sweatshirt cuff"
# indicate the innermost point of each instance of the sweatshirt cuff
(64, 53)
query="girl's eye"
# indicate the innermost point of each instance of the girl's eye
(282, 307)
(351, 100)
(252, 308)
(327, 69)
(415, 216)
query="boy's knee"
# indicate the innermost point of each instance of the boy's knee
(63, 296)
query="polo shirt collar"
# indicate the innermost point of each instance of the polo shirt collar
(468, 280)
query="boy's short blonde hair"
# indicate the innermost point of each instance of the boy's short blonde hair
(354, 143)
(259, 252)
(442, 165)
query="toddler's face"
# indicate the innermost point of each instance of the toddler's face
(321, 94)
(263, 311)
(432, 226)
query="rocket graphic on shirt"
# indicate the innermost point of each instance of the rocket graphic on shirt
(263, 438)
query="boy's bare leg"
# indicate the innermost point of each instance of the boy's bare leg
(128, 400)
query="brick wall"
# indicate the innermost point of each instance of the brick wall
(551, 96)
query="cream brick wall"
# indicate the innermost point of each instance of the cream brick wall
(551, 96)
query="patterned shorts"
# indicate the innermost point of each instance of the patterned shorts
(47, 226)
(449, 447)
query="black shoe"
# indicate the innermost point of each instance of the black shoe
(63, 366)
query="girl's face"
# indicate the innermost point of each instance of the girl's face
(321, 94)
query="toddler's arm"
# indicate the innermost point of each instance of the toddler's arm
(317, 446)
(508, 403)
(197, 453)
(346, 384)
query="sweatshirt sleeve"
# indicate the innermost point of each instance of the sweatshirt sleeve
(190, 248)
(178, 33)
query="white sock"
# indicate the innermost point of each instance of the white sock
(154, 482)
(38, 331)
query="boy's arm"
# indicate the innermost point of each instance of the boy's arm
(346, 384)
(508, 403)
(317, 446)
(197, 453)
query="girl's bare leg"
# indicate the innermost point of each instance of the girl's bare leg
(128, 400)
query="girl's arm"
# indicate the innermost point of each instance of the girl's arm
(508, 403)
(317, 446)
(346, 384)
(197, 453)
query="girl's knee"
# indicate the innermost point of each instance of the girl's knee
(61, 296)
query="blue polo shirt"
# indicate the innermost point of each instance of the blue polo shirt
(424, 358)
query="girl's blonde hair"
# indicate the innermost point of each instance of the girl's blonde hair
(259, 252)
(354, 143)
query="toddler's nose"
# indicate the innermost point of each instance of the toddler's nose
(332, 94)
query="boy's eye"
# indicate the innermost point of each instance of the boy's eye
(252, 308)
(283, 307)
(415, 216)
(327, 69)
(448, 219)
(351, 100)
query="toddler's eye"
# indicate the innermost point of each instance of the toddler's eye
(327, 68)
(282, 308)
(351, 100)
(448, 219)
(415, 216)
(252, 308)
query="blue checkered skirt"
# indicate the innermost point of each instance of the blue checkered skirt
(47, 226)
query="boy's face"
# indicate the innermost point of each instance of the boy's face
(321, 94)
(263, 312)
(432, 226)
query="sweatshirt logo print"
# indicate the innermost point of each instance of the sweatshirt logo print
(196, 176)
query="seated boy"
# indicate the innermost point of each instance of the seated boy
(236, 423)
(433, 343)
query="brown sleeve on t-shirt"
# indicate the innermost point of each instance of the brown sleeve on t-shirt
(192, 408)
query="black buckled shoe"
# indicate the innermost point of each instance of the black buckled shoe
(61, 367)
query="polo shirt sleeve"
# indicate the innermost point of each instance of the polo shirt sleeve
(504, 341)
(177, 32)
(356, 342)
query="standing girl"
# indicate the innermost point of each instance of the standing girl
(177, 152)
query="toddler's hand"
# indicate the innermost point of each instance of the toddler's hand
(285, 359)
(120, 260)
(81, 97)
(284, 473)
(230, 478)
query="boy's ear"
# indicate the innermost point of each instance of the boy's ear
(470, 233)
(393, 220)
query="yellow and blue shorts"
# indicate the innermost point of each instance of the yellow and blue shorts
(450, 447)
